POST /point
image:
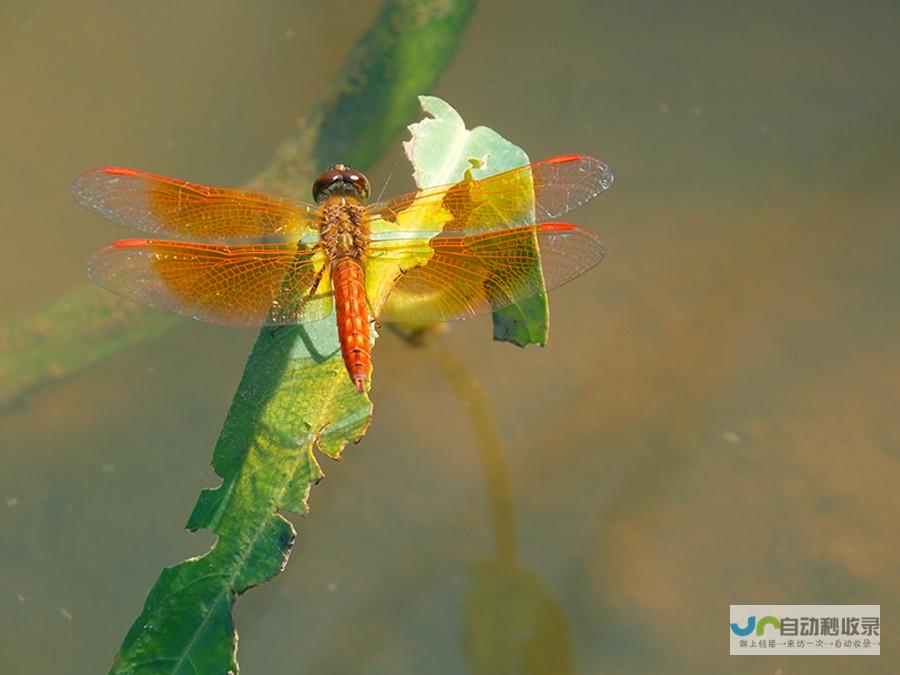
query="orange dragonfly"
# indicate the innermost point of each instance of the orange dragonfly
(249, 258)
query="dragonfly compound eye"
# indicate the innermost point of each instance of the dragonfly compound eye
(359, 180)
(341, 180)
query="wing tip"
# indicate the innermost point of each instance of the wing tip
(598, 250)
(600, 173)
(100, 261)
(604, 174)
(80, 187)
(89, 190)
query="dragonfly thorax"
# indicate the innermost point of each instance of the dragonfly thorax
(344, 229)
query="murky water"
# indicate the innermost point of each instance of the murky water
(713, 422)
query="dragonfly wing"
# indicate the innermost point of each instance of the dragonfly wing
(252, 285)
(470, 274)
(185, 210)
(534, 192)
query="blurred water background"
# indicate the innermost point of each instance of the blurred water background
(714, 420)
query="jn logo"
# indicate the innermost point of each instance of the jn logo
(752, 623)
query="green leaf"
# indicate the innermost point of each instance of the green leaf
(294, 396)
(443, 151)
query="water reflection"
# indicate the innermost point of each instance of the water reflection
(513, 622)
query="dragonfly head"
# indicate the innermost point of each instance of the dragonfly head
(341, 180)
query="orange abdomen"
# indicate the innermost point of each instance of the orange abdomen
(349, 286)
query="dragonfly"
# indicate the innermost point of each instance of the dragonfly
(243, 257)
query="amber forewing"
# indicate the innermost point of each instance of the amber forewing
(501, 201)
(185, 210)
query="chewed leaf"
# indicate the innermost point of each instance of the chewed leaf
(444, 151)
